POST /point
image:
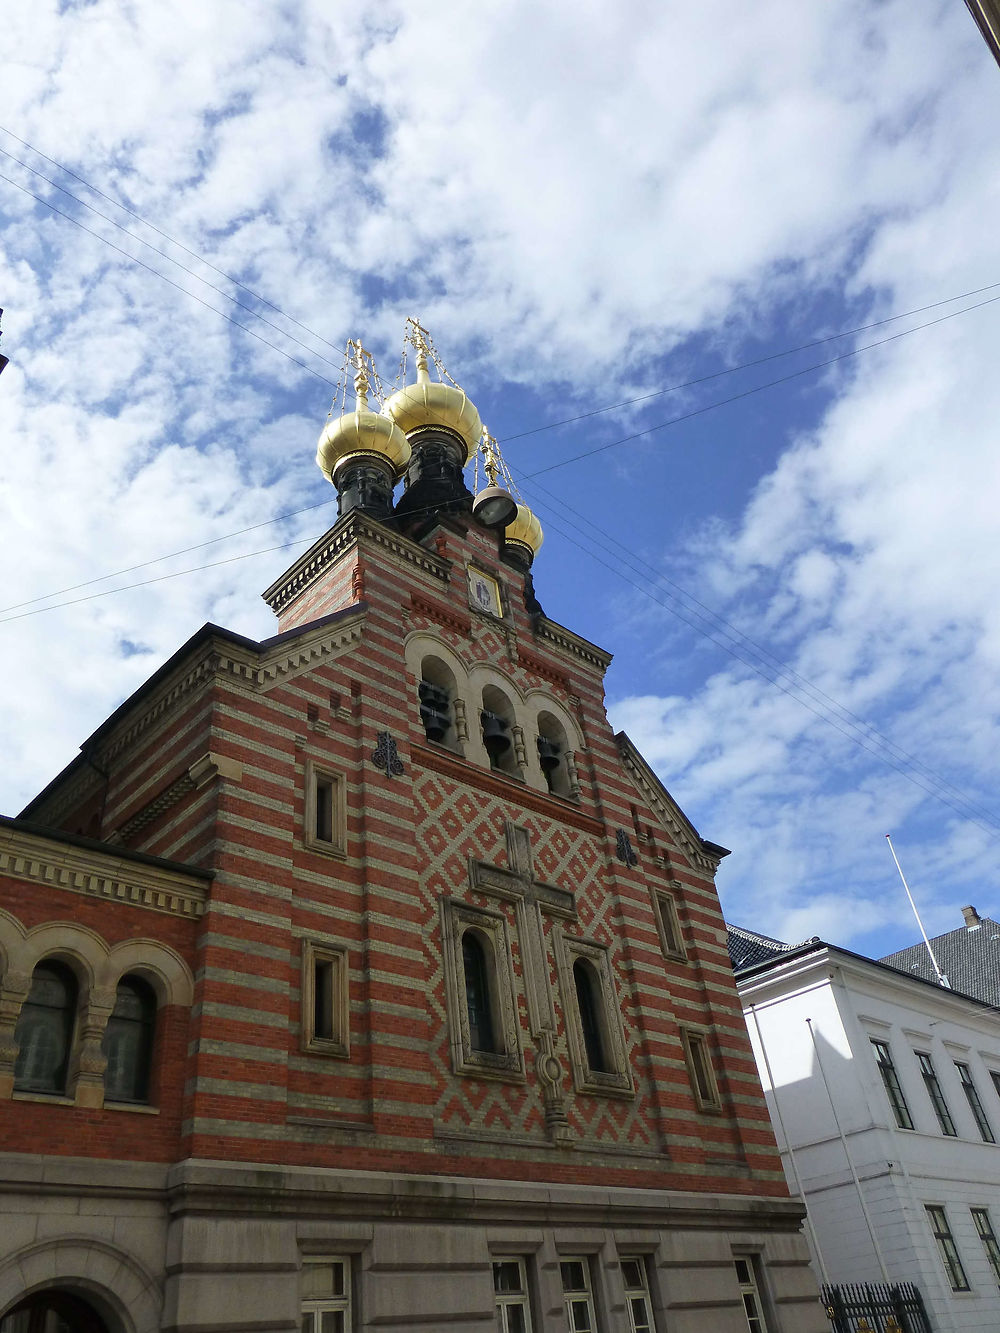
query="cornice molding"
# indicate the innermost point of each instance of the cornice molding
(41, 860)
(440, 614)
(571, 643)
(540, 668)
(705, 855)
(348, 532)
(202, 771)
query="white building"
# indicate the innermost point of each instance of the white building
(884, 1091)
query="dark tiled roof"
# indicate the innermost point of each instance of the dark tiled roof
(969, 958)
(747, 948)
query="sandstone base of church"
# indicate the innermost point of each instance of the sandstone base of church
(207, 1247)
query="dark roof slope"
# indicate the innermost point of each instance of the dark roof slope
(747, 948)
(969, 957)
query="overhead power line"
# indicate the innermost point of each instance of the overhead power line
(758, 388)
(710, 623)
(167, 237)
(149, 268)
(534, 430)
(698, 617)
(220, 291)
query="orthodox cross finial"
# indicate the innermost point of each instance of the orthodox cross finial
(491, 459)
(361, 381)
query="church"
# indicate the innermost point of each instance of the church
(362, 978)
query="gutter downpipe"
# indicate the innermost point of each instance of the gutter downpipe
(850, 1161)
(791, 1155)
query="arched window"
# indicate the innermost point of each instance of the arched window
(552, 751)
(44, 1032)
(589, 1004)
(128, 1042)
(437, 694)
(497, 720)
(53, 1311)
(478, 1000)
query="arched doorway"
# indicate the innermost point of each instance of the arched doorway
(53, 1311)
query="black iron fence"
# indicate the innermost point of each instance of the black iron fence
(875, 1307)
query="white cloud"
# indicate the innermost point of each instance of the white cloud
(565, 193)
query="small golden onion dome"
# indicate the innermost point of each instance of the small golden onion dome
(430, 403)
(361, 432)
(525, 529)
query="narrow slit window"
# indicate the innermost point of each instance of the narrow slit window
(323, 998)
(700, 1070)
(589, 1007)
(324, 810)
(325, 1007)
(671, 939)
(482, 1032)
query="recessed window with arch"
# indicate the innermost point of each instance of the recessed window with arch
(441, 709)
(45, 1027)
(480, 992)
(500, 732)
(482, 1008)
(128, 1041)
(593, 1020)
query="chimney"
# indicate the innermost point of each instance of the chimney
(972, 918)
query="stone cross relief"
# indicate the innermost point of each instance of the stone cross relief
(531, 898)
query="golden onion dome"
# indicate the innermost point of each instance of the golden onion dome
(431, 403)
(525, 529)
(361, 432)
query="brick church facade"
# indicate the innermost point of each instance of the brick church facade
(361, 978)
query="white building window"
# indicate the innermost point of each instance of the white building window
(938, 1219)
(890, 1081)
(933, 1086)
(637, 1302)
(326, 1296)
(975, 1102)
(753, 1306)
(578, 1295)
(987, 1235)
(510, 1286)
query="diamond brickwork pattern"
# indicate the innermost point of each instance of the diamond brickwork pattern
(456, 824)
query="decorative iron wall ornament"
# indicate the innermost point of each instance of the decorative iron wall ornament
(385, 757)
(624, 851)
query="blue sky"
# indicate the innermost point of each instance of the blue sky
(585, 204)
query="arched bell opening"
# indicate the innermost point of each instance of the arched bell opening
(438, 696)
(553, 754)
(498, 722)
